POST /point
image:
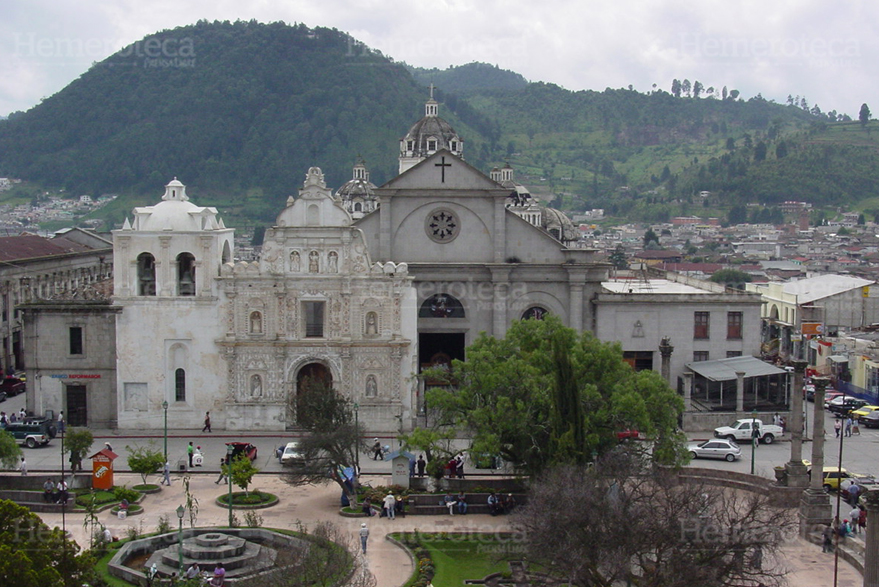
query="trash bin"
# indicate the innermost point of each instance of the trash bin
(181, 465)
(122, 514)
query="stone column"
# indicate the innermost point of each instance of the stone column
(815, 509)
(796, 470)
(871, 540)
(688, 391)
(665, 351)
(740, 393)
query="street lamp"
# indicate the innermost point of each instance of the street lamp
(357, 446)
(180, 512)
(229, 450)
(165, 407)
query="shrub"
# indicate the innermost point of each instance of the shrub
(164, 525)
(125, 493)
(252, 519)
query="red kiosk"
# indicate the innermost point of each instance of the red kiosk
(102, 468)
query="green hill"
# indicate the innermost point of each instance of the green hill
(239, 111)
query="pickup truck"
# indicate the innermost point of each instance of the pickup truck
(741, 431)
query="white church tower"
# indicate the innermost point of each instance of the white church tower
(166, 261)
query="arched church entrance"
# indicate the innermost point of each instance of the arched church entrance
(310, 375)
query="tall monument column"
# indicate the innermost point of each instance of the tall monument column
(871, 541)
(815, 509)
(665, 351)
(740, 393)
(796, 470)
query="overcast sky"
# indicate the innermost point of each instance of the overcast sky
(826, 52)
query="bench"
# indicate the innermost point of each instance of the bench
(33, 500)
(431, 504)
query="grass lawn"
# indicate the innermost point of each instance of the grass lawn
(461, 557)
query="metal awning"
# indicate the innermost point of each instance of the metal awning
(725, 369)
(838, 358)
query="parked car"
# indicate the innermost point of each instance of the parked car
(809, 391)
(292, 455)
(239, 448)
(2, 396)
(841, 406)
(716, 448)
(12, 386)
(32, 433)
(871, 420)
(863, 411)
(741, 431)
(628, 435)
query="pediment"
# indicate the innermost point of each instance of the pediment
(442, 171)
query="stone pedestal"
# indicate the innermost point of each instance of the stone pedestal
(815, 511)
(796, 474)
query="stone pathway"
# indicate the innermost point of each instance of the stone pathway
(306, 506)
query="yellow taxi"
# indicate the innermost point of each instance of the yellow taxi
(863, 411)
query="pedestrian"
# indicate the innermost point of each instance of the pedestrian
(166, 471)
(776, 419)
(848, 425)
(755, 437)
(192, 572)
(827, 542)
(389, 506)
(190, 450)
(207, 422)
(783, 424)
(459, 466)
(854, 492)
(855, 515)
(23, 467)
(3, 420)
(222, 478)
(364, 536)
(421, 464)
(411, 466)
(61, 422)
(377, 450)
(837, 427)
(22, 415)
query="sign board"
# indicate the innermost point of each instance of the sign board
(812, 328)
(400, 470)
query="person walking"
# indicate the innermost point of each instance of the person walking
(223, 477)
(848, 425)
(166, 471)
(207, 422)
(61, 422)
(23, 467)
(377, 450)
(190, 450)
(22, 415)
(364, 536)
(837, 427)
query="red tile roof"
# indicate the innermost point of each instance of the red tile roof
(31, 246)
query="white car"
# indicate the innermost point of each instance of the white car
(291, 455)
(716, 448)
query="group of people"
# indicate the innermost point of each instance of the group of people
(12, 418)
(855, 524)
(780, 422)
(455, 467)
(850, 426)
(55, 493)
(500, 504)
(456, 503)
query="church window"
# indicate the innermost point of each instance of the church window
(431, 145)
(255, 323)
(410, 145)
(441, 306)
(314, 319)
(312, 216)
(535, 312)
(358, 207)
(185, 274)
(442, 225)
(75, 337)
(180, 385)
(454, 146)
(146, 275)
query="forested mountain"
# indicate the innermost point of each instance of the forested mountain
(239, 111)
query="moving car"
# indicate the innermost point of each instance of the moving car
(842, 405)
(830, 395)
(12, 386)
(32, 433)
(741, 431)
(239, 448)
(292, 455)
(716, 448)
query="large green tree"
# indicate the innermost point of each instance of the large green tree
(545, 395)
(33, 555)
(10, 452)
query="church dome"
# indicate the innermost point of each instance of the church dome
(175, 213)
(427, 136)
(559, 225)
(358, 185)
